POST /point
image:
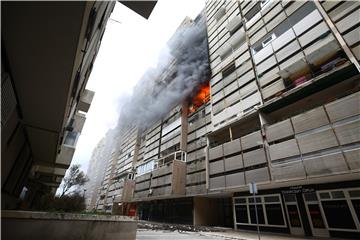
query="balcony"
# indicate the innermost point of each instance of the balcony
(319, 142)
(85, 100)
(66, 154)
(68, 148)
(168, 178)
(79, 121)
(238, 162)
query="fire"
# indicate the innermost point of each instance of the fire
(202, 97)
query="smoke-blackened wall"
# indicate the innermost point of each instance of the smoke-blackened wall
(182, 66)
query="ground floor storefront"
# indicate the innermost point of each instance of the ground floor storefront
(325, 210)
(319, 210)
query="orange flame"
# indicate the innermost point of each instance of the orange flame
(202, 97)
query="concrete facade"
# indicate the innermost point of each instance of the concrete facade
(283, 112)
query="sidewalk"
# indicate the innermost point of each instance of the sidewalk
(248, 235)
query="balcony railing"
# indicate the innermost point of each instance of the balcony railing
(179, 155)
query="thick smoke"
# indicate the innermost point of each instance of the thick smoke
(182, 66)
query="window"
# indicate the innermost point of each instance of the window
(338, 214)
(252, 12)
(269, 209)
(268, 40)
(228, 69)
(145, 168)
(71, 138)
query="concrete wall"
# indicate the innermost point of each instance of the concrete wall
(60, 226)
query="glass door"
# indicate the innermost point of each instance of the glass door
(315, 215)
(293, 213)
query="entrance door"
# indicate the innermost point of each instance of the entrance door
(315, 216)
(293, 213)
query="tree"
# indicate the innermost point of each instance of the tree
(74, 178)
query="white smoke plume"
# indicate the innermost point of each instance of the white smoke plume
(183, 65)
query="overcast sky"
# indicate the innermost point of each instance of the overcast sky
(127, 50)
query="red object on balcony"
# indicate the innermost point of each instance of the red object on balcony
(300, 81)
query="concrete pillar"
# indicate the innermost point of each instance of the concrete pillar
(207, 211)
(184, 126)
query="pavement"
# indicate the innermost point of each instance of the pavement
(148, 234)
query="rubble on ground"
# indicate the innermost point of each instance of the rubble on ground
(177, 227)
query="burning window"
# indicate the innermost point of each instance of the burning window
(200, 97)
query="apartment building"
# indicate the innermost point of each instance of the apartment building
(96, 169)
(46, 63)
(281, 110)
(46, 59)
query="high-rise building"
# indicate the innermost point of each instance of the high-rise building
(48, 52)
(281, 112)
(96, 169)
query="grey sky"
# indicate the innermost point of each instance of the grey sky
(127, 50)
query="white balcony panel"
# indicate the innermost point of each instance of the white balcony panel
(230, 88)
(235, 180)
(327, 5)
(232, 98)
(232, 147)
(257, 175)
(66, 154)
(315, 141)
(245, 78)
(279, 130)
(309, 120)
(234, 23)
(265, 65)
(244, 68)
(234, 162)
(257, 36)
(307, 22)
(325, 164)
(273, 88)
(287, 171)
(272, 13)
(283, 39)
(237, 39)
(352, 37)
(348, 132)
(256, 26)
(314, 33)
(263, 53)
(275, 21)
(254, 157)
(349, 21)
(269, 76)
(284, 149)
(247, 89)
(85, 100)
(343, 9)
(293, 65)
(216, 152)
(343, 108)
(217, 183)
(251, 140)
(285, 52)
(250, 101)
(293, 7)
(171, 126)
(353, 158)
